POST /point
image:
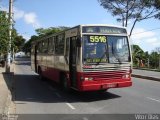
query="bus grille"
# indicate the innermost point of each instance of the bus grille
(106, 73)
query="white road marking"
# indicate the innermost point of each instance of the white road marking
(153, 99)
(71, 106)
(84, 118)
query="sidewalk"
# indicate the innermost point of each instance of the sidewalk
(150, 75)
(5, 86)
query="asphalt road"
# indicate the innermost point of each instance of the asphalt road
(33, 96)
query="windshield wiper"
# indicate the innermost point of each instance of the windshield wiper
(105, 53)
(113, 53)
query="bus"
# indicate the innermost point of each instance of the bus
(85, 58)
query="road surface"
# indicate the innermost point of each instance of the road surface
(33, 96)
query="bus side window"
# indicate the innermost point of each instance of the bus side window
(50, 45)
(59, 45)
(67, 46)
(56, 44)
(36, 48)
(45, 46)
(67, 51)
(53, 44)
(74, 50)
(39, 50)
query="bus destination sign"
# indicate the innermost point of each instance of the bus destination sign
(103, 30)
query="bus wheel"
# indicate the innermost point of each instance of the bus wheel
(40, 74)
(65, 83)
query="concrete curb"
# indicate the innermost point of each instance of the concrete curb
(8, 80)
(3, 94)
(146, 77)
(8, 103)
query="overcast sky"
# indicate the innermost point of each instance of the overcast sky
(32, 14)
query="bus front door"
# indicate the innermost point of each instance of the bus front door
(72, 62)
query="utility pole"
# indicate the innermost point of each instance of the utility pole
(8, 62)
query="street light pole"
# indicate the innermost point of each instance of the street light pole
(10, 36)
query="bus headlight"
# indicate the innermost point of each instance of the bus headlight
(88, 78)
(126, 76)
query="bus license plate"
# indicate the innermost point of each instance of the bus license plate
(109, 86)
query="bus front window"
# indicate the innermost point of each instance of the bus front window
(94, 52)
(105, 49)
(118, 49)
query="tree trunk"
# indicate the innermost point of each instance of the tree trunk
(133, 27)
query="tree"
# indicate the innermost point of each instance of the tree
(4, 27)
(51, 30)
(17, 41)
(41, 33)
(154, 59)
(137, 55)
(136, 10)
(158, 51)
(27, 45)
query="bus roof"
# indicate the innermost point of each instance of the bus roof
(107, 25)
(79, 26)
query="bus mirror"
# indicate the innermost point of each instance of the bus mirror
(78, 42)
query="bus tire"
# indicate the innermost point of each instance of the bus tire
(65, 83)
(41, 77)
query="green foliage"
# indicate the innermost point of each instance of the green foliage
(42, 32)
(27, 45)
(137, 55)
(51, 30)
(4, 27)
(17, 41)
(151, 60)
(154, 59)
(157, 5)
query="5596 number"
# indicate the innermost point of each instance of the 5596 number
(97, 39)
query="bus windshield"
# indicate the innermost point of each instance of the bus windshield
(100, 49)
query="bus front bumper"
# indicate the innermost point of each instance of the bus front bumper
(101, 86)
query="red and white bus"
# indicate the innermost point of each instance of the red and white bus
(85, 57)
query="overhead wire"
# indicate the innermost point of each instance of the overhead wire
(145, 31)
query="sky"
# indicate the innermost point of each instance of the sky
(32, 14)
